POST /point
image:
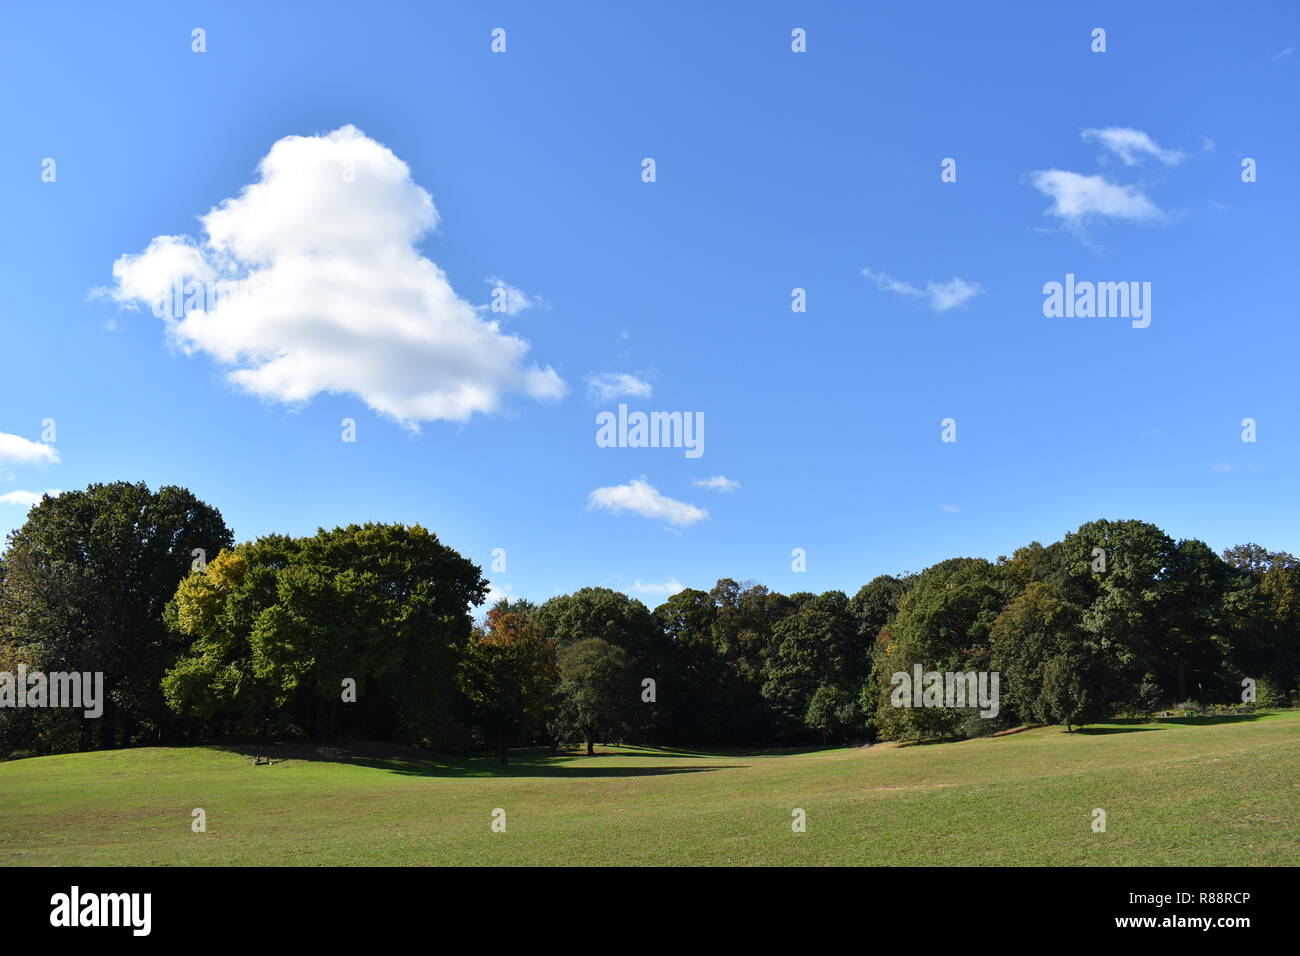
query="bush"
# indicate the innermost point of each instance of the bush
(1149, 696)
(1269, 694)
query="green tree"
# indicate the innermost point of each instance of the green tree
(1050, 672)
(287, 622)
(1195, 642)
(624, 622)
(509, 675)
(818, 645)
(943, 625)
(877, 601)
(86, 579)
(834, 711)
(1117, 572)
(598, 693)
(1263, 608)
(1070, 691)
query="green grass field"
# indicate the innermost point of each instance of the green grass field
(1193, 792)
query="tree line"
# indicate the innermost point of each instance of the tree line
(368, 632)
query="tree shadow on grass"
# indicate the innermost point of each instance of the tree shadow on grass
(1131, 724)
(1104, 731)
(1209, 719)
(515, 769)
(533, 762)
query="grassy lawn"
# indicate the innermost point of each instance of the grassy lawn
(1190, 792)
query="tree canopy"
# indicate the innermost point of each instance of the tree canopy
(369, 631)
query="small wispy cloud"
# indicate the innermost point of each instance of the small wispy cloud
(717, 483)
(1132, 145)
(662, 589)
(608, 386)
(1281, 53)
(939, 296)
(1224, 466)
(496, 593)
(1077, 198)
(640, 497)
(27, 499)
(951, 509)
(508, 300)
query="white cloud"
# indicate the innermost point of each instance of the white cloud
(950, 294)
(513, 301)
(496, 593)
(640, 497)
(27, 499)
(664, 589)
(148, 277)
(717, 483)
(1287, 51)
(1132, 145)
(16, 450)
(1224, 466)
(337, 299)
(951, 509)
(1076, 197)
(608, 386)
(939, 296)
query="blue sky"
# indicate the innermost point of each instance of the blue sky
(775, 170)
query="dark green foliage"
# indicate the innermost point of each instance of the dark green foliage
(599, 694)
(278, 625)
(85, 582)
(1117, 617)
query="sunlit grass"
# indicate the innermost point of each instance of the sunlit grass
(1197, 792)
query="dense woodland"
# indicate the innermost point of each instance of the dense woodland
(369, 632)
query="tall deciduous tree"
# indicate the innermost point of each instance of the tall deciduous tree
(384, 606)
(598, 693)
(816, 646)
(1051, 670)
(86, 579)
(509, 675)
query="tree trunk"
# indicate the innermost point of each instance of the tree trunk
(591, 751)
(108, 720)
(1182, 681)
(502, 755)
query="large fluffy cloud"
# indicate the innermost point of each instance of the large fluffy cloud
(332, 295)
